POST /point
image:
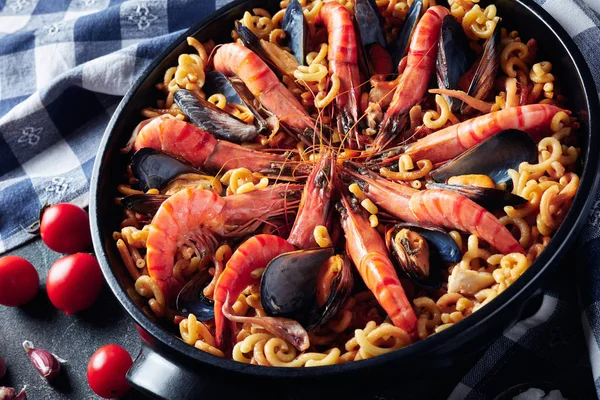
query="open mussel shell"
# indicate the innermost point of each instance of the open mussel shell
(147, 204)
(335, 282)
(369, 22)
(492, 157)
(440, 248)
(280, 61)
(454, 58)
(400, 47)
(296, 30)
(191, 299)
(212, 119)
(235, 92)
(484, 79)
(217, 83)
(289, 287)
(440, 242)
(489, 198)
(248, 99)
(154, 169)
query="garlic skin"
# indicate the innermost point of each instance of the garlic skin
(46, 363)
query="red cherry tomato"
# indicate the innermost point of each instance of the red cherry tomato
(19, 281)
(74, 282)
(65, 228)
(107, 369)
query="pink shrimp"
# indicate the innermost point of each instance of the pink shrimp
(315, 204)
(413, 83)
(184, 140)
(439, 207)
(368, 252)
(235, 59)
(343, 61)
(255, 253)
(451, 141)
(197, 217)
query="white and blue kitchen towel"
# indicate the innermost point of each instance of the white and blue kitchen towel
(64, 65)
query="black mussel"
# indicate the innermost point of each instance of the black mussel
(296, 30)
(236, 93)
(154, 169)
(411, 252)
(489, 198)
(260, 113)
(420, 251)
(290, 286)
(191, 298)
(146, 204)
(212, 119)
(492, 157)
(454, 58)
(400, 47)
(484, 79)
(334, 284)
(369, 22)
(217, 83)
(281, 62)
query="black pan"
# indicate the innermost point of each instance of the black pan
(170, 369)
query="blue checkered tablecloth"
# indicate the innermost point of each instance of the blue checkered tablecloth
(64, 65)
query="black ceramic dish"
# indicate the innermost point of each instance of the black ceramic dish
(169, 368)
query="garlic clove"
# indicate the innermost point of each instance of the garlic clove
(8, 393)
(46, 363)
(2, 368)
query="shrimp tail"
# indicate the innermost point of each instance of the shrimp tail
(225, 334)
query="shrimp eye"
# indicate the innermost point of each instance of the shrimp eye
(321, 179)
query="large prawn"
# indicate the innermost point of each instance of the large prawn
(455, 139)
(414, 81)
(439, 207)
(343, 62)
(197, 217)
(258, 251)
(184, 140)
(368, 252)
(235, 59)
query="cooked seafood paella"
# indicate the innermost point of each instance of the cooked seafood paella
(344, 178)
